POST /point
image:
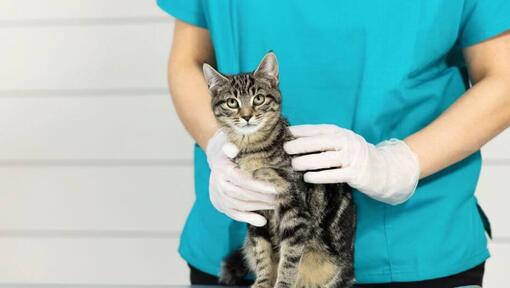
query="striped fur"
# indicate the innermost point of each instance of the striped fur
(308, 241)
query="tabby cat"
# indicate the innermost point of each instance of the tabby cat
(308, 241)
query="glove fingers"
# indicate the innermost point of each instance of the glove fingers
(313, 130)
(238, 193)
(244, 181)
(313, 144)
(322, 160)
(248, 217)
(340, 175)
(240, 205)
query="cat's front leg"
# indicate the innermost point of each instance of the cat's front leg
(293, 238)
(260, 252)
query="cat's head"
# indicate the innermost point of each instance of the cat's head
(246, 104)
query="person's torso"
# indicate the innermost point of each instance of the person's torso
(383, 69)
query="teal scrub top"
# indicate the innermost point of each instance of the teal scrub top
(383, 68)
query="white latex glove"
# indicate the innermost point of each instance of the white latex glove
(232, 191)
(388, 172)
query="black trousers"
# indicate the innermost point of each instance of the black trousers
(473, 276)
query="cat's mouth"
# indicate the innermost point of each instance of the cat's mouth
(247, 128)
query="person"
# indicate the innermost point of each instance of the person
(395, 98)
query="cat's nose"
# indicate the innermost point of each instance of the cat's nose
(247, 118)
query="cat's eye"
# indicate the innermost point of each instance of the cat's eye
(259, 99)
(232, 103)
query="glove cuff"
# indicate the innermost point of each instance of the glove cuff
(218, 138)
(404, 170)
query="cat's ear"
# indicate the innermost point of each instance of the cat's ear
(214, 78)
(268, 69)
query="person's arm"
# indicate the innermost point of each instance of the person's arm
(475, 118)
(191, 48)
(389, 171)
(231, 191)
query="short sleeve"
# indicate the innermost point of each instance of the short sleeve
(189, 11)
(484, 19)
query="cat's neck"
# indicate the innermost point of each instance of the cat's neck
(261, 140)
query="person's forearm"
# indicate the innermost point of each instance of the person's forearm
(478, 116)
(192, 103)
(191, 48)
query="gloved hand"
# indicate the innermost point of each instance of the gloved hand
(232, 191)
(388, 172)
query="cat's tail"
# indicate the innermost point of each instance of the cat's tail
(233, 269)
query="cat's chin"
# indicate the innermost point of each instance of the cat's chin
(247, 130)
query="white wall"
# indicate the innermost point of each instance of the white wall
(95, 169)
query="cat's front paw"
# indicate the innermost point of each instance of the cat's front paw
(261, 285)
(281, 284)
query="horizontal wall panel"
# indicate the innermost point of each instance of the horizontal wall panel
(72, 9)
(498, 148)
(496, 270)
(84, 57)
(91, 127)
(91, 261)
(493, 195)
(87, 200)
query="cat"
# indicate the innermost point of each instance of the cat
(309, 238)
